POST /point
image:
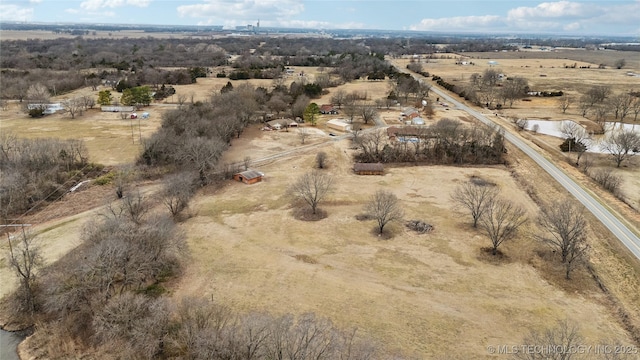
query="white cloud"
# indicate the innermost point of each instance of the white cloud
(35, 1)
(574, 26)
(243, 9)
(15, 13)
(560, 16)
(459, 23)
(560, 9)
(93, 5)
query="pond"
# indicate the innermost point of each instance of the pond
(9, 344)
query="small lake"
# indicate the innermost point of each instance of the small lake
(9, 344)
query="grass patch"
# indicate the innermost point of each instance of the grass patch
(154, 290)
(305, 214)
(306, 259)
(53, 227)
(486, 255)
(364, 217)
(105, 179)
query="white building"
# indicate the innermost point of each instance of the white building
(339, 124)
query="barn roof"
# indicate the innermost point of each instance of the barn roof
(368, 167)
(250, 174)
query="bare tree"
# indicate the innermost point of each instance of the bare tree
(384, 207)
(321, 160)
(368, 113)
(350, 109)
(584, 106)
(114, 325)
(621, 105)
(339, 98)
(299, 106)
(565, 231)
(177, 192)
(576, 134)
(311, 188)
(88, 101)
(474, 198)
(73, 106)
(182, 99)
(521, 123)
(303, 134)
(202, 155)
(565, 335)
(621, 145)
(635, 107)
(246, 162)
(356, 130)
(565, 102)
(122, 179)
(25, 260)
(423, 90)
(513, 89)
(135, 206)
(277, 103)
(38, 94)
(601, 112)
(608, 180)
(501, 220)
(597, 94)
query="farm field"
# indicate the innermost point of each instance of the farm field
(110, 140)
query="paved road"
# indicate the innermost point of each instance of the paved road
(619, 228)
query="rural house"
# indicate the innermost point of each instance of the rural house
(368, 169)
(248, 176)
(328, 109)
(282, 124)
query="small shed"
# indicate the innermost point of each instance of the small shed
(368, 169)
(248, 176)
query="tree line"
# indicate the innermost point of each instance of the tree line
(38, 170)
(445, 142)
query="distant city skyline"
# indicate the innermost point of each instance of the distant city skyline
(578, 17)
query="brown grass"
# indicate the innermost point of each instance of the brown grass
(425, 295)
(415, 293)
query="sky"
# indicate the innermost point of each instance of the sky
(577, 17)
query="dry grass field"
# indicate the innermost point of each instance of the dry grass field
(433, 296)
(436, 295)
(109, 139)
